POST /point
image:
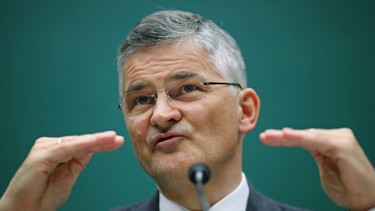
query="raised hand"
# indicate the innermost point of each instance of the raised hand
(346, 174)
(48, 174)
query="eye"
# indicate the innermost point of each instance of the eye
(143, 100)
(185, 92)
(139, 99)
(185, 89)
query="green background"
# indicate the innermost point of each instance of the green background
(311, 62)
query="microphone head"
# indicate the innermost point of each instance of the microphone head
(199, 168)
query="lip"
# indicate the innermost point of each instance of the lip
(165, 137)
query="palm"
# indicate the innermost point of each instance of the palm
(46, 178)
(62, 180)
(346, 174)
(330, 178)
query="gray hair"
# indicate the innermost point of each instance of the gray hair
(176, 26)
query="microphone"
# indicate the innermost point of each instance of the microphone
(199, 174)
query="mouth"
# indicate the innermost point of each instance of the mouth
(165, 138)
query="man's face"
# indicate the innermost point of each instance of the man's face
(171, 136)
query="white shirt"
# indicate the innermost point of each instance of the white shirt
(237, 200)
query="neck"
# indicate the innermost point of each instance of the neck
(222, 182)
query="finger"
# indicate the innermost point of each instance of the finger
(76, 166)
(79, 164)
(310, 139)
(84, 144)
(273, 137)
(47, 142)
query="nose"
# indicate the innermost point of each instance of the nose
(164, 114)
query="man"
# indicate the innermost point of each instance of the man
(184, 98)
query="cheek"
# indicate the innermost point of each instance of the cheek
(195, 114)
(213, 117)
(138, 133)
(137, 129)
(224, 117)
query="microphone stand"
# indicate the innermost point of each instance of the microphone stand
(199, 174)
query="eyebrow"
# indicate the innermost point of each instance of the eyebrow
(136, 87)
(174, 76)
(183, 75)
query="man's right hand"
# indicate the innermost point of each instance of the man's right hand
(45, 179)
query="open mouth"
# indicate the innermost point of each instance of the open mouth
(166, 138)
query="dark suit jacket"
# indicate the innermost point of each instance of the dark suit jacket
(255, 202)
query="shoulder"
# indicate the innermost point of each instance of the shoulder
(148, 205)
(258, 201)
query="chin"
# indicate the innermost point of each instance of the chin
(169, 171)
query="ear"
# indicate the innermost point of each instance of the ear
(250, 105)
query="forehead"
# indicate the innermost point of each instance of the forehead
(156, 64)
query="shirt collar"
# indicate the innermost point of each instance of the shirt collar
(238, 197)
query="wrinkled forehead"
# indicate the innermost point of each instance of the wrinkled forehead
(159, 64)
